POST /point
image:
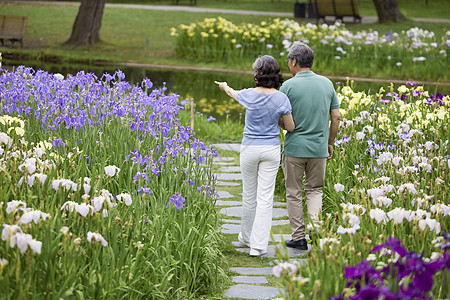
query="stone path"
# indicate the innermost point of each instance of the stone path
(251, 283)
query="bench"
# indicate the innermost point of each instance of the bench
(337, 9)
(12, 28)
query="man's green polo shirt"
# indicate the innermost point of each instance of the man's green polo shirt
(312, 97)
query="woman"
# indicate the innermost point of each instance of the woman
(260, 149)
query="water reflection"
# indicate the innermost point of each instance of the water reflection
(196, 85)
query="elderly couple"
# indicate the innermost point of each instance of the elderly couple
(303, 106)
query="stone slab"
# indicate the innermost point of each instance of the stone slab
(271, 251)
(279, 238)
(227, 183)
(230, 169)
(279, 204)
(223, 163)
(231, 221)
(280, 222)
(238, 244)
(245, 291)
(249, 279)
(231, 228)
(282, 237)
(222, 159)
(233, 211)
(228, 203)
(279, 213)
(235, 228)
(252, 271)
(228, 176)
(232, 147)
(224, 194)
(237, 212)
(301, 261)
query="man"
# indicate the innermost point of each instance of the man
(310, 145)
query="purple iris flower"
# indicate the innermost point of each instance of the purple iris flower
(392, 243)
(201, 159)
(214, 152)
(141, 174)
(88, 159)
(144, 190)
(58, 142)
(146, 83)
(177, 199)
(191, 183)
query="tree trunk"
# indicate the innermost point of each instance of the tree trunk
(87, 25)
(388, 11)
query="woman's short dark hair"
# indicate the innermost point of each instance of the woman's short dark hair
(267, 72)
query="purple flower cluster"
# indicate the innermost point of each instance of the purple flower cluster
(84, 101)
(207, 190)
(342, 142)
(373, 148)
(58, 143)
(436, 100)
(433, 100)
(177, 200)
(144, 190)
(370, 283)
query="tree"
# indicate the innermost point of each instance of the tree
(87, 24)
(388, 11)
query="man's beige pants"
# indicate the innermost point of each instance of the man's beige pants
(314, 171)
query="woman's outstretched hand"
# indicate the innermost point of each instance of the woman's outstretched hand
(222, 85)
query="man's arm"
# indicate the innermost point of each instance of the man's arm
(288, 122)
(334, 126)
(281, 123)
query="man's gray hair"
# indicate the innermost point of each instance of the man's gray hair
(302, 54)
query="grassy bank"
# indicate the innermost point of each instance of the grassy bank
(139, 35)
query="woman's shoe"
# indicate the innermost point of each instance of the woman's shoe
(241, 240)
(257, 252)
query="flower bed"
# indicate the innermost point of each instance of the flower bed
(104, 193)
(415, 53)
(386, 203)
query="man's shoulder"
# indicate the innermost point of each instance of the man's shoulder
(323, 78)
(290, 81)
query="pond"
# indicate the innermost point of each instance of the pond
(195, 85)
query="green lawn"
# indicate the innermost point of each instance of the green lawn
(410, 8)
(125, 32)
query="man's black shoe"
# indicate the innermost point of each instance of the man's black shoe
(300, 244)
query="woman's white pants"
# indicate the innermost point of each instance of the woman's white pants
(259, 167)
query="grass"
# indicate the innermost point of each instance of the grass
(226, 131)
(143, 35)
(410, 8)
